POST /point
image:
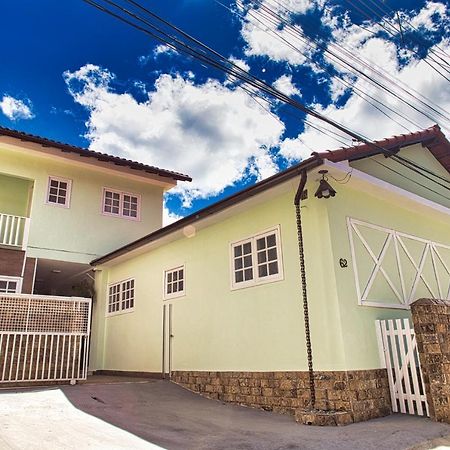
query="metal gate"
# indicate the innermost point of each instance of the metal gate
(398, 345)
(43, 338)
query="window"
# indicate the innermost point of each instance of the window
(10, 285)
(58, 192)
(256, 260)
(174, 282)
(121, 296)
(121, 204)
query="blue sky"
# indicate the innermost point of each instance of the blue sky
(76, 75)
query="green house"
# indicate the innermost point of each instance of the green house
(216, 301)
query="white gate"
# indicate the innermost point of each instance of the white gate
(398, 344)
(43, 338)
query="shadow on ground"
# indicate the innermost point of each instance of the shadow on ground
(153, 413)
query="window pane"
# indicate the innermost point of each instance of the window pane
(248, 274)
(262, 270)
(54, 183)
(169, 277)
(169, 288)
(238, 250)
(180, 274)
(61, 200)
(52, 198)
(261, 243)
(272, 254)
(247, 248)
(262, 257)
(273, 268)
(239, 276)
(180, 285)
(248, 261)
(271, 240)
(238, 263)
(63, 185)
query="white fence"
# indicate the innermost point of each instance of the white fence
(14, 230)
(43, 338)
(398, 344)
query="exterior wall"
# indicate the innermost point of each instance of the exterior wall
(14, 195)
(258, 328)
(409, 181)
(358, 321)
(79, 233)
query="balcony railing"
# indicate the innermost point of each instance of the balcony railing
(14, 230)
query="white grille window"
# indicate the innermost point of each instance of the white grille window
(121, 296)
(121, 204)
(58, 192)
(256, 260)
(174, 282)
(10, 285)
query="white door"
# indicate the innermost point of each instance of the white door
(167, 340)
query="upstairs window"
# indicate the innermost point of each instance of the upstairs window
(256, 260)
(174, 282)
(121, 296)
(10, 285)
(121, 204)
(58, 192)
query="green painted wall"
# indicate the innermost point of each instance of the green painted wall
(259, 328)
(14, 194)
(407, 179)
(215, 328)
(79, 233)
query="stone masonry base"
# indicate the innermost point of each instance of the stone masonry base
(363, 394)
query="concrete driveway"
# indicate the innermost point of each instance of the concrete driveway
(108, 414)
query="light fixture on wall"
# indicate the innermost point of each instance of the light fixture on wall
(324, 190)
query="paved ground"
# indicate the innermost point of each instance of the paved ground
(107, 414)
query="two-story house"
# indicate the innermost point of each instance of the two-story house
(62, 206)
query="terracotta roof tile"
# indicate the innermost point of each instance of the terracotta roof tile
(432, 138)
(115, 160)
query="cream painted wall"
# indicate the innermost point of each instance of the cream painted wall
(14, 193)
(79, 233)
(215, 328)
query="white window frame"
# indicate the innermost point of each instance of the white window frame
(121, 310)
(257, 280)
(121, 202)
(68, 192)
(18, 280)
(177, 294)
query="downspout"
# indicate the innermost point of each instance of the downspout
(298, 196)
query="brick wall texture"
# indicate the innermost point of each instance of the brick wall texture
(362, 393)
(431, 320)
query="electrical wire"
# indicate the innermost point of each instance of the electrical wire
(224, 65)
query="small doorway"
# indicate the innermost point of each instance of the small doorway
(167, 341)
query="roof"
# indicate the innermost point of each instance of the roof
(432, 137)
(114, 160)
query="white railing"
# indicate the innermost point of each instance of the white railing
(14, 230)
(43, 338)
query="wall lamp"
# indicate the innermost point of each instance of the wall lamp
(324, 190)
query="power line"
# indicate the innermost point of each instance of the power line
(206, 55)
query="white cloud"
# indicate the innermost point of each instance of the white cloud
(240, 63)
(164, 49)
(15, 109)
(169, 216)
(266, 36)
(357, 114)
(209, 131)
(285, 85)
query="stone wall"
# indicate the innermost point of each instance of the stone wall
(364, 394)
(432, 328)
